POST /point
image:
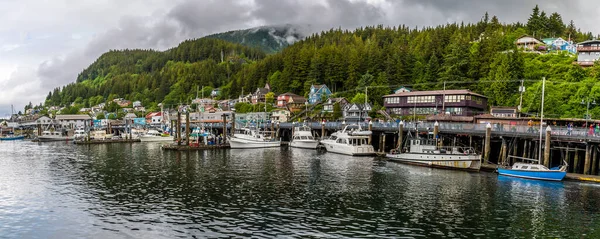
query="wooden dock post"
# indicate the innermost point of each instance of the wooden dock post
(380, 142)
(277, 132)
(383, 144)
(525, 148)
(323, 129)
(187, 127)
(371, 129)
(178, 128)
(488, 138)
(594, 160)
(232, 123)
(576, 162)
(587, 162)
(547, 147)
(503, 149)
(224, 117)
(436, 131)
(515, 151)
(400, 135)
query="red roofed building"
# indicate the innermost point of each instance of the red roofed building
(154, 118)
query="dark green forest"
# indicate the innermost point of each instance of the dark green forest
(478, 56)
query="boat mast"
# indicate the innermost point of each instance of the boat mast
(542, 118)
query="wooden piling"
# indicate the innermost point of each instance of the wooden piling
(232, 124)
(436, 131)
(371, 129)
(488, 138)
(187, 127)
(515, 151)
(277, 132)
(594, 160)
(587, 162)
(525, 148)
(178, 130)
(383, 144)
(576, 162)
(547, 147)
(502, 156)
(322, 129)
(400, 135)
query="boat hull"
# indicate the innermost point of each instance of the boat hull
(236, 143)
(21, 137)
(156, 139)
(304, 144)
(446, 161)
(538, 175)
(363, 150)
(53, 138)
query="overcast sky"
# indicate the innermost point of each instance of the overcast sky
(45, 44)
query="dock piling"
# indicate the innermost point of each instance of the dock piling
(400, 134)
(587, 162)
(547, 147)
(488, 137)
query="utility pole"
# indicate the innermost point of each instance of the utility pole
(444, 100)
(521, 89)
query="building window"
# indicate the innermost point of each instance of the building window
(421, 99)
(453, 98)
(454, 111)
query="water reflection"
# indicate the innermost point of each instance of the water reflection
(138, 190)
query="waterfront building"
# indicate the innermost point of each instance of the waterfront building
(317, 92)
(588, 52)
(73, 121)
(452, 102)
(356, 112)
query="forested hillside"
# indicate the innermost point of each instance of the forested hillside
(479, 56)
(270, 39)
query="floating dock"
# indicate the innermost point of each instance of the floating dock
(107, 141)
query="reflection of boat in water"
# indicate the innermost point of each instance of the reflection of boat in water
(303, 138)
(425, 152)
(349, 142)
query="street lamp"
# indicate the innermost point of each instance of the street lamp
(587, 102)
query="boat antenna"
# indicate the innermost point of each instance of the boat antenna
(542, 118)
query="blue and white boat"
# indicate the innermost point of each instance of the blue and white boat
(12, 137)
(534, 171)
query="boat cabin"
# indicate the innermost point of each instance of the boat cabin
(354, 141)
(530, 167)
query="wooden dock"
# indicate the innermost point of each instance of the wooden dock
(107, 141)
(176, 147)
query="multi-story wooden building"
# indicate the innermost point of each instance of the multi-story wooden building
(588, 52)
(452, 102)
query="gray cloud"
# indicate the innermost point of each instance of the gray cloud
(99, 26)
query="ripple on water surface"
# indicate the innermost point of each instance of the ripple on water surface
(136, 190)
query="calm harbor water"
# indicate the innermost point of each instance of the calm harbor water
(60, 190)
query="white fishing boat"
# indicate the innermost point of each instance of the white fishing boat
(303, 138)
(155, 136)
(425, 152)
(48, 136)
(252, 137)
(100, 135)
(79, 134)
(349, 142)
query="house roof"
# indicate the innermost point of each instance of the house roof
(152, 114)
(338, 99)
(361, 107)
(589, 41)
(73, 117)
(297, 99)
(523, 36)
(318, 86)
(436, 92)
(130, 116)
(262, 91)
